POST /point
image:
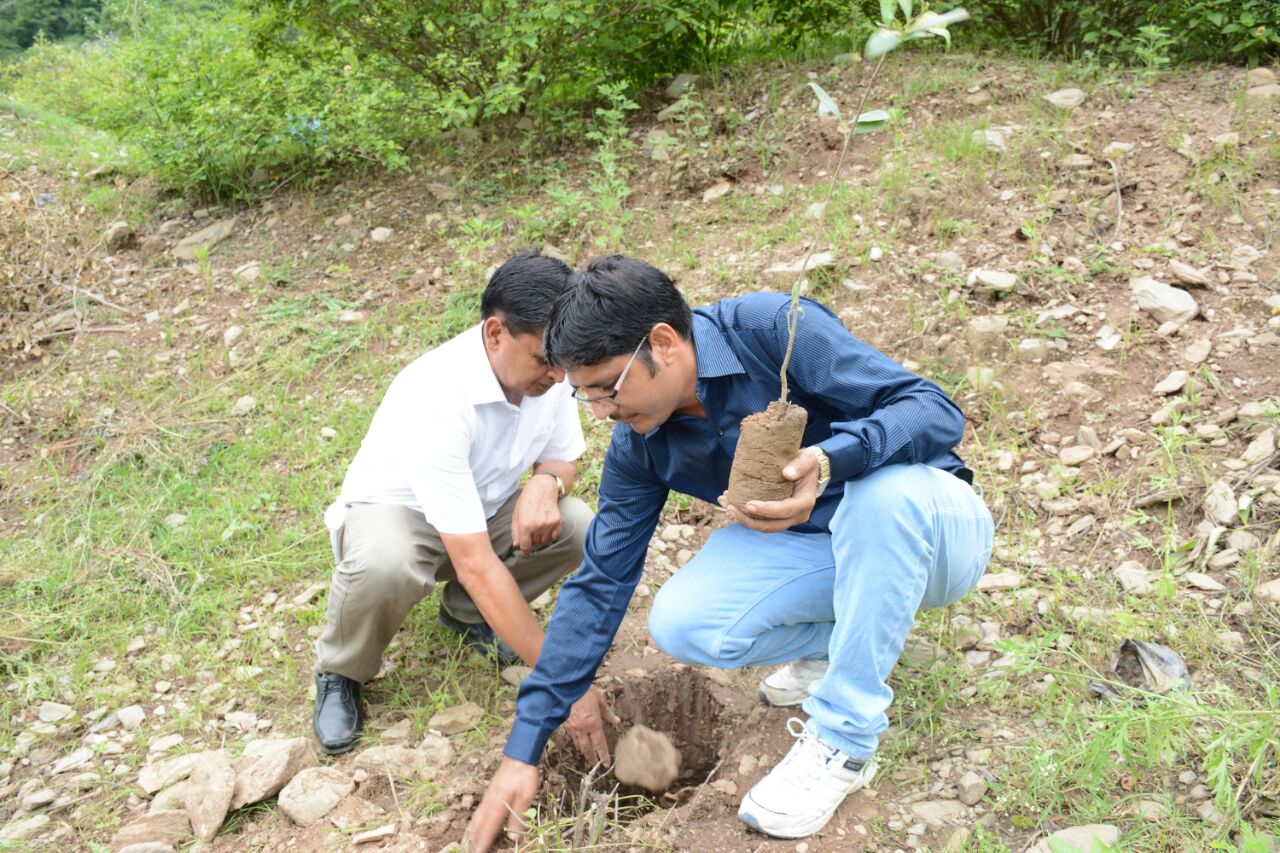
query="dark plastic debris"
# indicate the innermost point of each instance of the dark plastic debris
(1149, 667)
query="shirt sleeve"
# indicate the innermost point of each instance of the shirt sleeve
(894, 415)
(592, 602)
(566, 443)
(437, 464)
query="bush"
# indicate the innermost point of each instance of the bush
(1239, 31)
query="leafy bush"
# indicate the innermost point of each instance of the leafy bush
(22, 22)
(1241, 31)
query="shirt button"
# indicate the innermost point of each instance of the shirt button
(720, 432)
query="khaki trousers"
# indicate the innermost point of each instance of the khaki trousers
(389, 558)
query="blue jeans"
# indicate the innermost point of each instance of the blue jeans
(904, 537)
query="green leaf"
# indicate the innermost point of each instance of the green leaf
(881, 42)
(906, 9)
(871, 120)
(887, 11)
(825, 100)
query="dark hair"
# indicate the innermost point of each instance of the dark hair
(608, 308)
(522, 290)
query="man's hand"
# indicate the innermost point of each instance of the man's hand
(510, 792)
(535, 522)
(586, 726)
(773, 516)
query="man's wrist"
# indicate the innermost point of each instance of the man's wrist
(554, 476)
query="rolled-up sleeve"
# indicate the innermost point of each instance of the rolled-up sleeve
(894, 415)
(593, 601)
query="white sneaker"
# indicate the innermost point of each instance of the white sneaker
(806, 787)
(790, 685)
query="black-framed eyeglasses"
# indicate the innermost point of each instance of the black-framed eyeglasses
(611, 398)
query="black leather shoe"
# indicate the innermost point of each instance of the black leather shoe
(336, 719)
(480, 638)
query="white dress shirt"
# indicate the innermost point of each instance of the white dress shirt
(445, 440)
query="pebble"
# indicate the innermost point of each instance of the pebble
(244, 406)
(381, 235)
(53, 712)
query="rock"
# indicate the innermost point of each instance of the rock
(313, 793)
(244, 406)
(162, 774)
(208, 793)
(1171, 384)
(380, 235)
(979, 98)
(1133, 578)
(1243, 541)
(231, 335)
(818, 260)
(986, 333)
(20, 830)
(53, 712)
(251, 271)
(1197, 351)
(1076, 161)
(938, 813)
(170, 799)
(119, 235)
(1188, 274)
(949, 261)
(350, 316)
(328, 433)
(1263, 93)
(402, 763)
(516, 674)
(1066, 99)
(680, 85)
(132, 716)
(1203, 582)
(995, 282)
(399, 731)
(161, 827)
(1269, 591)
(716, 191)
(726, 786)
(994, 139)
(1117, 149)
(1165, 303)
(1079, 837)
(38, 799)
(1261, 447)
(646, 758)
(999, 581)
(1076, 455)
(442, 192)
(353, 812)
(1225, 141)
(1032, 349)
(1220, 505)
(816, 210)
(379, 834)
(972, 788)
(267, 765)
(148, 847)
(1260, 76)
(206, 237)
(72, 761)
(458, 719)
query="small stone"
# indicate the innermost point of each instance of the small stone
(266, 766)
(403, 763)
(328, 433)
(1220, 504)
(54, 712)
(38, 799)
(1197, 351)
(244, 406)
(1066, 99)
(458, 719)
(208, 793)
(16, 831)
(1165, 303)
(162, 774)
(1188, 274)
(516, 674)
(1261, 447)
(1225, 141)
(646, 758)
(717, 191)
(1269, 591)
(1171, 384)
(1077, 454)
(876, 253)
(231, 335)
(1133, 578)
(949, 261)
(994, 139)
(119, 235)
(1224, 559)
(818, 260)
(726, 786)
(379, 834)
(938, 813)
(251, 271)
(999, 581)
(972, 788)
(381, 235)
(996, 282)
(207, 238)
(1117, 149)
(1260, 76)
(132, 716)
(349, 316)
(1242, 541)
(170, 827)
(72, 761)
(355, 812)
(399, 731)
(313, 793)
(680, 85)
(979, 98)
(1203, 582)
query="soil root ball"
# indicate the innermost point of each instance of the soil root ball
(647, 759)
(769, 440)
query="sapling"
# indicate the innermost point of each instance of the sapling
(770, 439)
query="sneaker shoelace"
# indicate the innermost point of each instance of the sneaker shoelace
(806, 762)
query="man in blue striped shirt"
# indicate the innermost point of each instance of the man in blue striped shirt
(883, 521)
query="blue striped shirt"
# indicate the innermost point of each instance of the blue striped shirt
(865, 411)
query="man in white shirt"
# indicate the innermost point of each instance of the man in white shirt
(434, 496)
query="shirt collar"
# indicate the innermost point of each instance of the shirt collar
(715, 357)
(482, 384)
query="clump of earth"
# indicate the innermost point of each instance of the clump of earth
(647, 759)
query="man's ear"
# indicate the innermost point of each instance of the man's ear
(664, 342)
(492, 328)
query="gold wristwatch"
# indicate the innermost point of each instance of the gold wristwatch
(824, 468)
(556, 477)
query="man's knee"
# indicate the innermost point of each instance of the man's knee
(575, 518)
(678, 626)
(378, 556)
(895, 495)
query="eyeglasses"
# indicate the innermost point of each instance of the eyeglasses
(610, 399)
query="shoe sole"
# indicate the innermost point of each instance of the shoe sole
(337, 749)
